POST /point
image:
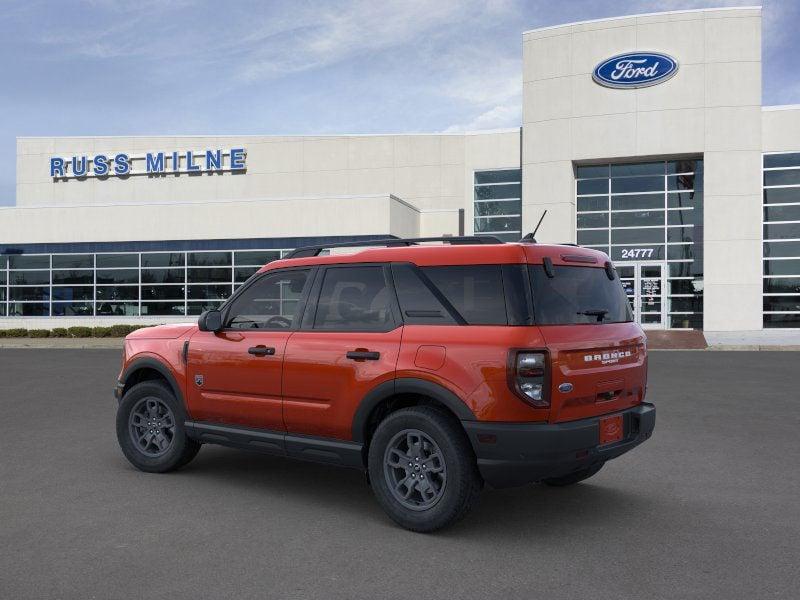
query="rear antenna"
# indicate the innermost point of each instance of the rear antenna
(531, 237)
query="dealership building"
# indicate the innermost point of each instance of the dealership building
(643, 136)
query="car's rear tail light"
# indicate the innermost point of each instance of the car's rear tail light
(528, 377)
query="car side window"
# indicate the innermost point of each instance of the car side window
(354, 299)
(271, 302)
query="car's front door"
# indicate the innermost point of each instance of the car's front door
(234, 375)
(348, 344)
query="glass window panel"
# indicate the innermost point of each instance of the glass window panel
(73, 309)
(593, 237)
(683, 182)
(256, 258)
(270, 302)
(593, 186)
(2, 310)
(475, 291)
(781, 249)
(684, 217)
(118, 276)
(782, 285)
(112, 261)
(488, 209)
(782, 213)
(592, 171)
(782, 303)
(593, 203)
(501, 224)
(694, 304)
(242, 274)
(680, 234)
(685, 199)
(637, 184)
(3, 261)
(73, 292)
(26, 261)
(680, 252)
(639, 252)
(29, 277)
(776, 321)
(209, 259)
(163, 275)
(637, 236)
(782, 160)
(782, 231)
(686, 321)
(28, 309)
(625, 271)
(209, 292)
(782, 267)
(355, 299)
(196, 308)
(637, 202)
(117, 309)
(788, 177)
(119, 292)
(782, 195)
(163, 259)
(637, 219)
(209, 275)
(73, 261)
(681, 269)
(684, 166)
(593, 220)
(500, 176)
(508, 237)
(85, 276)
(651, 168)
(29, 293)
(2, 294)
(684, 286)
(490, 192)
(162, 292)
(162, 308)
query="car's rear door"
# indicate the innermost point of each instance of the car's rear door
(234, 375)
(348, 343)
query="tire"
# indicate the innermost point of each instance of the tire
(453, 483)
(573, 478)
(163, 448)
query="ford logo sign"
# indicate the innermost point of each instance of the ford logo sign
(635, 70)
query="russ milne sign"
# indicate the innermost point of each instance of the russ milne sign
(635, 70)
(151, 163)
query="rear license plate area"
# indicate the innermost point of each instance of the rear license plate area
(611, 429)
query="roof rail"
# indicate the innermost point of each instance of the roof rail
(308, 251)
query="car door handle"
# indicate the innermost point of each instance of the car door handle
(363, 355)
(261, 351)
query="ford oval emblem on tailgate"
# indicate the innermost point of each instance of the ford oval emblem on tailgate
(565, 387)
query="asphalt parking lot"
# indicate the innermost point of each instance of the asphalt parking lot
(706, 509)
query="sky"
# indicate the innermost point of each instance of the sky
(161, 67)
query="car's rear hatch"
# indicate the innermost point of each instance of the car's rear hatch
(598, 359)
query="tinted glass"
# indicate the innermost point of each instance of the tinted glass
(242, 274)
(73, 277)
(28, 309)
(637, 236)
(118, 276)
(782, 249)
(680, 234)
(256, 258)
(73, 309)
(782, 267)
(23, 261)
(637, 202)
(639, 218)
(656, 168)
(488, 209)
(595, 203)
(782, 285)
(162, 292)
(788, 177)
(782, 231)
(209, 292)
(684, 199)
(162, 308)
(593, 220)
(782, 160)
(593, 186)
(593, 237)
(418, 303)
(637, 184)
(575, 291)
(592, 171)
(209, 275)
(782, 213)
(72, 292)
(271, 302)
(118, 309)
(489, 192)
(163, 275)
(118, 292)
(475, 291)
(496, 224)
(684, 217)
(782, 195)
(29, 293)
(782, 303)
(684, 166)
(117, 260)
(209, 259)
(782, 320)
(506, 175)
(683, 182)
(73, 261)
(29, 277)
(354, 299)
(163, 259)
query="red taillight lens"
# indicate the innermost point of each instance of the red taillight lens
(527, 377)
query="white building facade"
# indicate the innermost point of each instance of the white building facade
(665, 158)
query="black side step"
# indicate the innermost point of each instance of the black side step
(305, 447)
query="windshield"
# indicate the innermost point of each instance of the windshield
(576, 295)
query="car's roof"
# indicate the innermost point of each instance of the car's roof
(461, 254)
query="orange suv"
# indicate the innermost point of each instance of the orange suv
(434, 368)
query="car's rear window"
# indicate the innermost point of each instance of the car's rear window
(577, 295)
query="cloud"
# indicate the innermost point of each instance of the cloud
(498, 117)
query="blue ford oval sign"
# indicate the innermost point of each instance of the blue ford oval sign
(635, 70)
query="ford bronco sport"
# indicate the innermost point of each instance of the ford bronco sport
(434, 368)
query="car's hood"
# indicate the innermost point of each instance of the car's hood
(162, 332)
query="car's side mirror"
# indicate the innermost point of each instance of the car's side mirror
(210, 320)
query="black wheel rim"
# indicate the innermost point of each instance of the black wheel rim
(152, 426)
(415, 470)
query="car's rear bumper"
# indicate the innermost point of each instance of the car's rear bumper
(512, 454)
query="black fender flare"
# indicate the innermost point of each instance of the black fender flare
(147, 362)
(406, 385)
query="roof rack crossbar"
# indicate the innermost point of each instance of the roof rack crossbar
(308, 251)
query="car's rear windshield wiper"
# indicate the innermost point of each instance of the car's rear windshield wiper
(600, 313)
